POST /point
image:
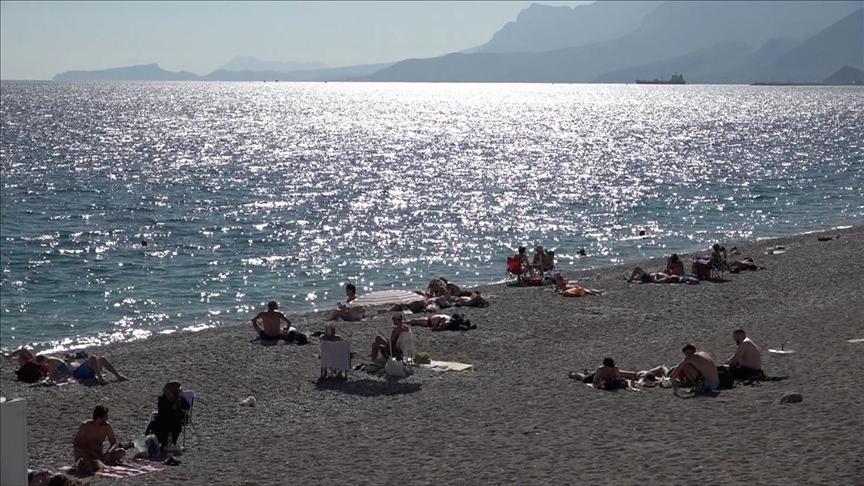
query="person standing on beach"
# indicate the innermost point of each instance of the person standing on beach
(747, 360)
(268, 324)
(697, 366)
(91, 436)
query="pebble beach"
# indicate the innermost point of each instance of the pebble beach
(516, 417)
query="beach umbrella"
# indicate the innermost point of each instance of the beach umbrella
(386, 297)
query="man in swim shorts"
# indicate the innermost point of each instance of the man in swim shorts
(697, 367)
(91, 436)
(268, 324)
(747, 360)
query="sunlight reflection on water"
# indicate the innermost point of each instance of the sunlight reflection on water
(246, 192)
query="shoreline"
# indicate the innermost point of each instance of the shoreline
(195, 328)
(516, 418)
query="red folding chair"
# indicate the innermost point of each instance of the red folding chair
(514, 267)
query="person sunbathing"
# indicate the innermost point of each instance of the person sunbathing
(656, 277)
(346, 312)
(91, 436)
(644, 377)
(381, 345)
(268, 324)
(57, 369)
(696, 370)
(744, 264)
(442, 322)
(746, 363)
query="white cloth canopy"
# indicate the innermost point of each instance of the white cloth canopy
(386, 297)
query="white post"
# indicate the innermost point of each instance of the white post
(13, 442)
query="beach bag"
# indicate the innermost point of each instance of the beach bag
(29, 372)
(395, 368)
(724, 377)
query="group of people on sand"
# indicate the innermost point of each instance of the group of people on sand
(675, 273)
(439, 294)
(542, 261)
(88, 447)
(35, 368)
(696, 370)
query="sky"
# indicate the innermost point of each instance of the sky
(40, 39)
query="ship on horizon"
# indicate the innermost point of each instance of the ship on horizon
(676, 79)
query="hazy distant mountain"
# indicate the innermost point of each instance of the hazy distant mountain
(143, 72)
(841, 44)
(546, 28)
(152, 72)
(347, 73)
(671, 30)
(846, 75)
(699, 66)
(248, 63)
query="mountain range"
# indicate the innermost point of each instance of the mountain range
(608, 41)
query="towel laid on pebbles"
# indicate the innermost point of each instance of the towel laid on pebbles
(447, 366)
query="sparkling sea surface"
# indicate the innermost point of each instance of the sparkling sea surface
(247, 192)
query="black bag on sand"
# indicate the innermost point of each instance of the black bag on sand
(725, 378)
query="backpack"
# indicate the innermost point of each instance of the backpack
(30, 372)
(724, 376)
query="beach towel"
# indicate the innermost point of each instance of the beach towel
(447, 366)
(128, 470)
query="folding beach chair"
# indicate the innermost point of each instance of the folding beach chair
(189, 395)
(514, 268)
(335, 359)
(718, 266)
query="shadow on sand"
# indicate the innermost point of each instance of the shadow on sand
(368, 388)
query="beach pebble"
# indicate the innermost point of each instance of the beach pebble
(248, 401)
(792, 398)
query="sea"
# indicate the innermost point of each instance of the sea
(133, 209)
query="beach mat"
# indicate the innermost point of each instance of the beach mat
(122, 471)
(128, 470)
(447, 366)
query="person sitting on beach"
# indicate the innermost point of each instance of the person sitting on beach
(522, 257)
(696, 370)
(608, 377)
(91, 436)
(381, 345)
(438, 288)
(346, 312)
(172, 409)
(270, 326)
(330, 334)
(58, 369)
(746, 363)
(674, 265)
